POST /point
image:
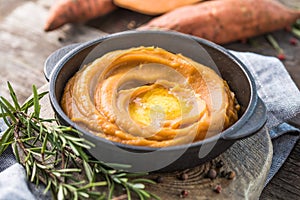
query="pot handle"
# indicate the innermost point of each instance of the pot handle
(253, 124)
(55, 57)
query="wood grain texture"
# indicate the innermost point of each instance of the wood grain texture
(249, 158)
(286, 185)
(24, 45)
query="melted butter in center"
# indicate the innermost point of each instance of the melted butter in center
(154, 104)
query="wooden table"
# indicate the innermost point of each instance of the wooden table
(24, 47)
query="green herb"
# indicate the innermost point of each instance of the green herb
(54, 155)
(295, 29)
(275, 45)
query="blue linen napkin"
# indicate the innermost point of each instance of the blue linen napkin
(275, 87)
(282, 98)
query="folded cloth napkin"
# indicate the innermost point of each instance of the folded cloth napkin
(276, 89)
(282, 98)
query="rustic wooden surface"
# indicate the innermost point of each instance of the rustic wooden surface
(24, 48)
(249, 159)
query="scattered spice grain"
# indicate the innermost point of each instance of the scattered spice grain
(60, 39)
(184, 193)
(293, 41)
(281, 56)
(219, 164)
(223, 174)
(212, 174)
(231, 175)
(218, 188)
(159, 179)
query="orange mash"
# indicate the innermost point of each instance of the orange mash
(147, 96)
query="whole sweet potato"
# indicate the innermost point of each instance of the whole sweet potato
(223, 21)
(65, 11)
(151, 7)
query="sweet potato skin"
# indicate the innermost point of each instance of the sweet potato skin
(65, 11)
(151, 7)
(224, 21)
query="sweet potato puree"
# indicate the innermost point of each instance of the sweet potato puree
(147, 96)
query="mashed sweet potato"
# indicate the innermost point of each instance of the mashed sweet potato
(147, 96)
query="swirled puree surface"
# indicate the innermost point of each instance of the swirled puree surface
(147, 96)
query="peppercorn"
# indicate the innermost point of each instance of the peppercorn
(60, 39)
(293, 41)
(223, 174)
(183, 193)
(159, 179)
(212, 174)
(281, 56)
(219, 164)
(218, 188)
(230, 175)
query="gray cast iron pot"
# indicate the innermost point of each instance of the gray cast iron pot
(65, 62)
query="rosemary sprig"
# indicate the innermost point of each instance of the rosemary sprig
(55, 156)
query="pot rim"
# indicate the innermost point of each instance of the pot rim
(236, 126)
